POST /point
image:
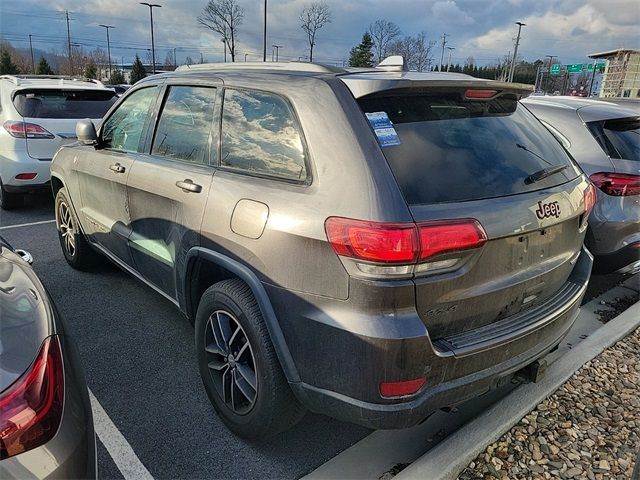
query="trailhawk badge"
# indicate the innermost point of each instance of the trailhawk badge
(551, 209)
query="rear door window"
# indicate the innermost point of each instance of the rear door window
(184, 128)
(619, 137)
(58, 103)
(443, 147)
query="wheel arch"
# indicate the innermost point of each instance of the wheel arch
(230, 268)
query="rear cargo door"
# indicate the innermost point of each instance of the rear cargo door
(462, 154)
(57, 110)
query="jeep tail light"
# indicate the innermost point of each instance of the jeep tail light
(31, 408)
(26, 130)
(401, 389)
(617, 184)
(395, 248)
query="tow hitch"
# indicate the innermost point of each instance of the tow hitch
(534, 372)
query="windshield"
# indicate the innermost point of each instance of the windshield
(445, 148)
(57, 103)
(619, 137)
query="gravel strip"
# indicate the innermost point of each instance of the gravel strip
(589, 428)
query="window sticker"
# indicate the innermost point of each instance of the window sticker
(387, 136)
(379, 120)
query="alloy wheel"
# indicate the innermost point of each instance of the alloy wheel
(66, 228)
(231, 362)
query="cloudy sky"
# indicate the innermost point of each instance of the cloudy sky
(483, 29)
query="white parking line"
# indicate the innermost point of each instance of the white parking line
(121, 452)
(26, 224)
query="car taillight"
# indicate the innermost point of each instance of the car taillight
(617, 184)
(26, 130)
(31, 408)
(373, 241)
(589, 203)
(450, 236)
(400, 245)
(26, 176)
(479, 94)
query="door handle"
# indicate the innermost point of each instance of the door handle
(187, 185)
(116, 167)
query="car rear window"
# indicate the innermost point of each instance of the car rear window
(443, 147)
(619, 137)
(58, 103)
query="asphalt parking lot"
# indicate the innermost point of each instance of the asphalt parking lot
(139, 359)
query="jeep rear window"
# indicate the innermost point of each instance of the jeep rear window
(619, 137)
(58, 103)
(451, 149)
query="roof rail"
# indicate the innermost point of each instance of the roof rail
(15, 79)
(295, 66)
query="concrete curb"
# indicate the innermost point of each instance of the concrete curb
(451, 456)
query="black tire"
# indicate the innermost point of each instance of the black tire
(75, 248)
(10, 200)
(274, 408)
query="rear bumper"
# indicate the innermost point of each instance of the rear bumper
(453, 375)
(622, 260)
(14, 163)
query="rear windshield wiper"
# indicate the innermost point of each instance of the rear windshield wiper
(544, 173)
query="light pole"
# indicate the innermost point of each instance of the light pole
(277, 49)
(225, 50)
(515, 51)
(449, 61)
(245, 56)
(107, 27)
(33, 62)
(153, 47)
(264, 35)
(444, 43)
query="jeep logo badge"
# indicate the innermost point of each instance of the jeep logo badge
(551, 209)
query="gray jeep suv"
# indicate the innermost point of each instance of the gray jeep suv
(372, 244)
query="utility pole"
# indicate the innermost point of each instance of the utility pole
(66, 13)
(225, 50)
(107, 27)
(33, 62)
(245, 56)
(515, 51)
(550, 57)
(277, 49)
(175, 61)
(153, 46)
(449, 62)
(264, 36)
(201, 58)
(444, 43)
(593, 74)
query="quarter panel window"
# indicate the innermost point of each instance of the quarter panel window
(260, 135)
(184, 128)
(123, 129)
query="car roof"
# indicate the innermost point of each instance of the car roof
(19, 82)
(590, 110)
(361, 81)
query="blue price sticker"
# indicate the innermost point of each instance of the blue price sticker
(387, 136)
(379, 120)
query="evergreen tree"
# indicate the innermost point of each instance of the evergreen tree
(362, 54)
(91, 70)
(117, 78)
(43, 67)
(7, 67)
(137, 70)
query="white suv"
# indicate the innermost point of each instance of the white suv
(38, 114)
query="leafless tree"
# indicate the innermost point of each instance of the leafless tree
(470, 62)
(313, 17)
(169, 61)
(223, 17)
(417, 51)
(383, 32)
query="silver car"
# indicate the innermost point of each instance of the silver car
(604, 138)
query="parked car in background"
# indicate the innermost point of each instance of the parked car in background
(38, 114)
(46, 425)
(119, 89)
(372, 245)
(605, 140)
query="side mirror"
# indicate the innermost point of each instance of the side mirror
(86, 132)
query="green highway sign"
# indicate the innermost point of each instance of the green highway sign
(555, 69)
(574, 68)
(599, 67)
